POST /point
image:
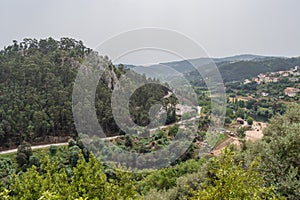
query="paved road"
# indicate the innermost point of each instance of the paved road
(107, 138)
(35, 147)
(48, 145)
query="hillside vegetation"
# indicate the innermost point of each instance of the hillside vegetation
(236, 71)
(267, 169)
(36, 87)
(36, 84)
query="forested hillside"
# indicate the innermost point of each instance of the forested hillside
(36, 86)
(236, 71)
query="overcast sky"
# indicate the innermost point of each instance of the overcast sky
(222, 27)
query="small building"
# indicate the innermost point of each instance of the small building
(275, 80)
(256, 80)
(267, 79)
(285, 74)
(264, 94)
(247, 81)
(182, 109)
(291, 92)
(293, 79)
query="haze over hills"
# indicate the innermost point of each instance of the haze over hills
(232, 68)
(186, 65)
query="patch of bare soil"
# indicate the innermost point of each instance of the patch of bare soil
(256, 133)
(229, 141)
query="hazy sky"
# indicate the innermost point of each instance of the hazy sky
(222, 27)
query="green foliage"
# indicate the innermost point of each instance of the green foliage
(88, 181)
(229, 112)
(249, 120)
(74, 153)
(4, 194)
(240, 113)
(25, 148)
(53, 150)
(6, 167)
(240, 70)
(173, 130)
(128, 141)
(227, 120)
(229, 180)
(34, 160)
(148, 95)
(223, 177)
(36, 85)
(22, 160)
(6, 170)
(241, 132)
(279, 152)
(245, 69)
(23, 154)
(222, 137)
(166, 178)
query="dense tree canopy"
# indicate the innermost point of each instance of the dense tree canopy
(36, 87)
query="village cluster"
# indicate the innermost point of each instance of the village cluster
(292, 75)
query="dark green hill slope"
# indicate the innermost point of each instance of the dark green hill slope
(36, 90)
(36, 84)
(236, 71)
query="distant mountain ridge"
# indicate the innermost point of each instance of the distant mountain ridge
(233, 68)
(242, 57)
